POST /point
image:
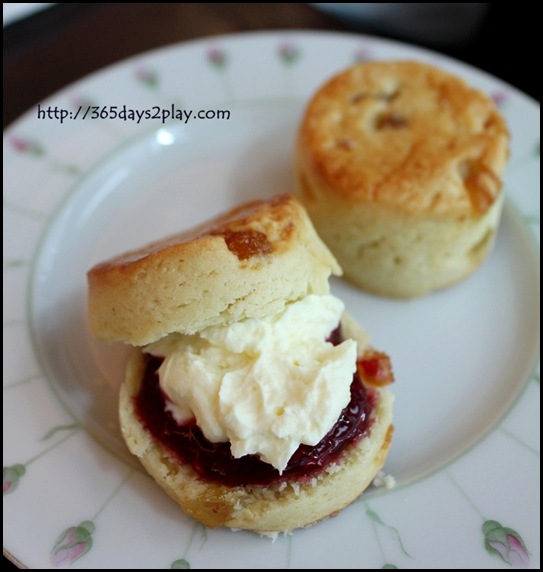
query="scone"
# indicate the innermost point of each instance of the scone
(399, 165)
(253, 400)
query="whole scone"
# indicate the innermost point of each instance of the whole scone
(253, 400)
(399, 165)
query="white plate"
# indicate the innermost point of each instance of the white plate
(466, 449)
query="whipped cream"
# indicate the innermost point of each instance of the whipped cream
(264, 385)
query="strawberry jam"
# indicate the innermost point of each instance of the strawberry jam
(214, 462)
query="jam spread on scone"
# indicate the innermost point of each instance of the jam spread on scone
(214, 462)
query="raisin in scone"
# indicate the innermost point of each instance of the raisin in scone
(253, 399)
(399, 165)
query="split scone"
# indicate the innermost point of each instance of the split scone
(253, 400)
(399, 165)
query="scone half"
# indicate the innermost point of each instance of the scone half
(282, 506)
(247, 263)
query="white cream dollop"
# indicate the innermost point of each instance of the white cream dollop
(264, 385)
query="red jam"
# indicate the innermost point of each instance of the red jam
(375, 369)
(214, 462)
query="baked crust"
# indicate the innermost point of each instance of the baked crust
(405, 135)
(399, 165)
(271, 509)
(247, 263)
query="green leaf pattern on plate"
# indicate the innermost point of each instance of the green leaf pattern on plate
(13, 474)
(505, 543)
(72, 544)
(32, 148)
(146, 76)
(288, 52)
(499, 540)
(27, 146)
(377, 520)
(11, 477)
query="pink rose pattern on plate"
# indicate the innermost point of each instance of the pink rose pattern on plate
(505, 543)
(13, 474)
(146, 76)
(32, 148)
(288, 52)
(217, 57)
(72, 544)
(11, 477)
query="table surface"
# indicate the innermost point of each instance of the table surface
(57, 46)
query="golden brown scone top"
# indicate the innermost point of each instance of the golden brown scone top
(405, 134)
(246, 263)
(251, 230)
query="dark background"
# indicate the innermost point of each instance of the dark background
(53, 48)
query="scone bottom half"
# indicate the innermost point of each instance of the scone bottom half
(299, 497)
(270, 255)
(400, 165)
